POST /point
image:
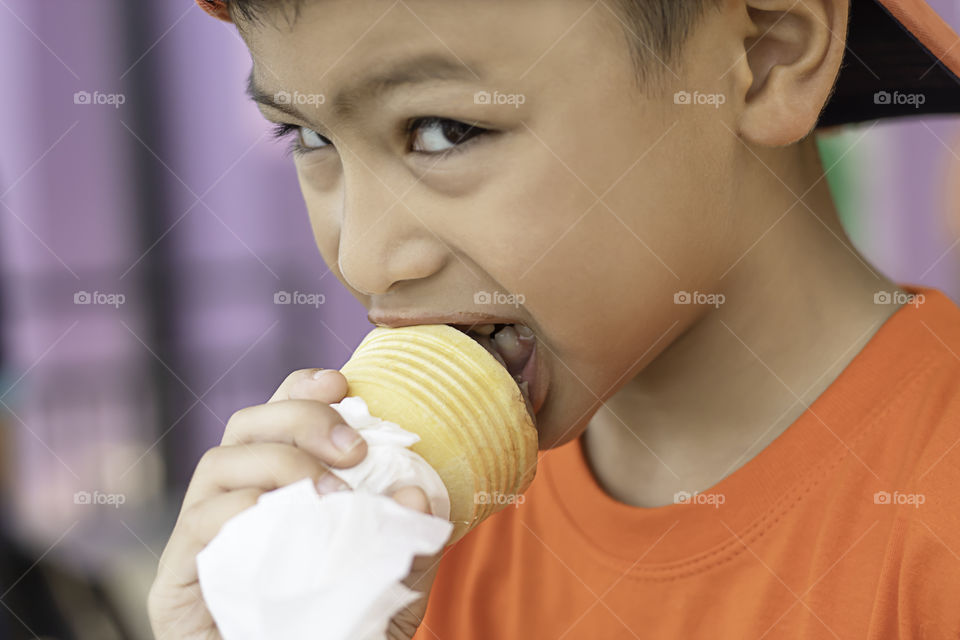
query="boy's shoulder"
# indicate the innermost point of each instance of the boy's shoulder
(915, 452)
(923, 360)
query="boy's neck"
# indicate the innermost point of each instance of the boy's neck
(799, 305)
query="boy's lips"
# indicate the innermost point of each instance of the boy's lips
(511, 343)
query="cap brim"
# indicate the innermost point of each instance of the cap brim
(901, 60)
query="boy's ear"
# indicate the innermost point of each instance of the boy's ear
(794, 51)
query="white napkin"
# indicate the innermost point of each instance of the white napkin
(298, 565)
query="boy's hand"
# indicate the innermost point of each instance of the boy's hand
(265, 447)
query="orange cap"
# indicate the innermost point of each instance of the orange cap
(902, 59)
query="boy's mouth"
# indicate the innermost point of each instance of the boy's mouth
(515, 347)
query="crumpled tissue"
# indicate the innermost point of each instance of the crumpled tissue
(298, 565)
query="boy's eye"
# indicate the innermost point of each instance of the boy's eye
(437, 135)
(302, 138)
(310, 139)
(429, 135)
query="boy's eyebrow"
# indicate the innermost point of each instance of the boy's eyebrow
(424, 68)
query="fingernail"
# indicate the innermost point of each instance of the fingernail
(408, 499)
(306, 388)
(344, 437)
(329, 483)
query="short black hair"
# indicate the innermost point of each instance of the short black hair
(655, 29)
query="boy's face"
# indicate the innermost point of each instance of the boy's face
(590, 201)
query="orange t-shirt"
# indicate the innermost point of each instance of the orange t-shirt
(846, 526)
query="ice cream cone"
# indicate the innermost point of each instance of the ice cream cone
(471, 416)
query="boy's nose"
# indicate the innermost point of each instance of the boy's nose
(383, 240)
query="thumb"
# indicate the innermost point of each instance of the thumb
(323, 385)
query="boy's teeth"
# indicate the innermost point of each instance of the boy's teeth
(511, 346)
(487, 343)
(515, 351)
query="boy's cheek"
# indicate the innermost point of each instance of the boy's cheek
(319, 173)
(326, 232)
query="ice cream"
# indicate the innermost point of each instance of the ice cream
(471, 416)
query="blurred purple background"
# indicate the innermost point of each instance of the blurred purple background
(177, 201)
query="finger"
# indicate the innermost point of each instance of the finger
(322, 385)
(312, 426)
(424, 568)
(195, 528)
(200, 522)
(413, 498)
(325, 385)
(262, 465)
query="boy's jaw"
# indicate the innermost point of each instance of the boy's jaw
(511, 343)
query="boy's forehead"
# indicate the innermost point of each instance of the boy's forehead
(367, 47)
(373, 83)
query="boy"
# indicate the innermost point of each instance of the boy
(746, 430)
